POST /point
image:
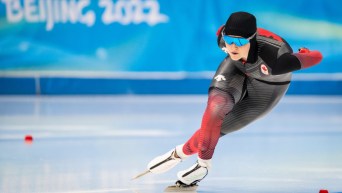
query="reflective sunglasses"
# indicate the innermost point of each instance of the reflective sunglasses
(238, 41)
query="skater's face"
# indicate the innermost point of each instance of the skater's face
(238, 52)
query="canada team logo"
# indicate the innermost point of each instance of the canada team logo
(264, 69)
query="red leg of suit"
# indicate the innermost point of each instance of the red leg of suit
(205, 139)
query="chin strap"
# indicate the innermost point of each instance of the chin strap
(308, 58)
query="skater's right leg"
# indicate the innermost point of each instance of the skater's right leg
(205, 139)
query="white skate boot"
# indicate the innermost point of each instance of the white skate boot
(195, 173)
(167, 161)
(188, 179)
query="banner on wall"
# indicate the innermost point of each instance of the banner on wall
(150, 35)
(51, 12)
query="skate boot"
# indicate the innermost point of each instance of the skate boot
(195, 173)
(167, 161)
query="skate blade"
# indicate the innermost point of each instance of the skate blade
(142, 174)
(188, 189)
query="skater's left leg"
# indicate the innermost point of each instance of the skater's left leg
(262, 98)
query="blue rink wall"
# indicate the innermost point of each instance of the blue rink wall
(89, 86)
(56, 47)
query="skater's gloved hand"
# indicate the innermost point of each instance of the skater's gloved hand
(308, 57)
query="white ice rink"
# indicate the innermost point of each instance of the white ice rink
(96, 144)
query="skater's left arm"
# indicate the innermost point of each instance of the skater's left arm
(289, 62)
